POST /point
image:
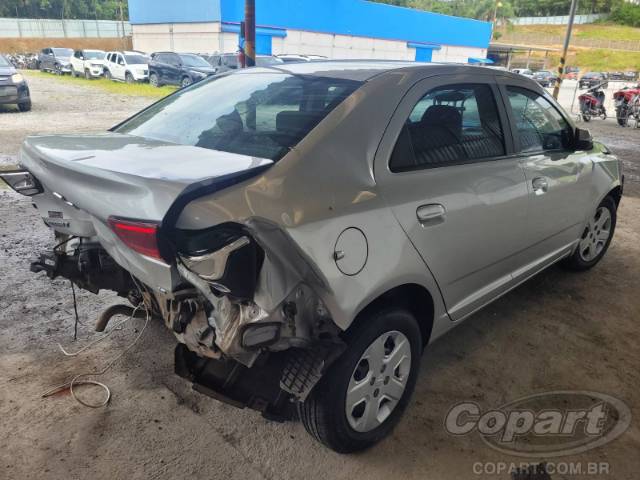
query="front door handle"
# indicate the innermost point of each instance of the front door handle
(431, 214)
(540, 185)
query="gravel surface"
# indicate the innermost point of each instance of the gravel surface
(557, 331)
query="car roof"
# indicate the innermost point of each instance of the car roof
(363, 70)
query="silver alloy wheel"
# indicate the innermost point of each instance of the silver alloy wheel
(378, 381)
(186, 81)
(595, 235)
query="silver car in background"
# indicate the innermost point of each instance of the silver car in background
(306, 230)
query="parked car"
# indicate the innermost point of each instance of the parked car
(87, 63)
(127, 67)
(183, 69)
(523, 71)
(593, 79)
(55, 60)
(616, 76)
(231, 61)
(306, 231)
(294, 58)
(545, 78)
(13, 86)
(630, 76)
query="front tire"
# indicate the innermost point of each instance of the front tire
(186, 81)
(154, 80)
(361, 398)
(129, 78)
(107, 75)
(596, 237)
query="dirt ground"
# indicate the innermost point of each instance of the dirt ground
(558, 331)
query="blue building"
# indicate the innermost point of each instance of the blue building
(331, 28)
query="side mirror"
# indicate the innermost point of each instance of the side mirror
(583, 139)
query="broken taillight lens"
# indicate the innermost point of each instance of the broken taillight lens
(139, 236)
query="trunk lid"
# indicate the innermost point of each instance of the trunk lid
(123, 175)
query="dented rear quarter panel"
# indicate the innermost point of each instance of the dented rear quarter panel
(322, 187)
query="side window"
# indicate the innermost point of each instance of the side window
(539, 124)
(120, 60)
(448, 126)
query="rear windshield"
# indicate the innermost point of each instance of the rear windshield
(194, 61)
(258, 114)
(62, 52)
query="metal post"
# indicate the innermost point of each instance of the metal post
(565, 49)
(124, 47)
(528, 59)
(250, 32)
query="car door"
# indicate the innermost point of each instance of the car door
(119, 67)
(47, 59)
(173, 69)
(558, 177)
(446, 168)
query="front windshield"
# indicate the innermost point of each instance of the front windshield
(4, 62)
(543, 73)
(267, 61)
(62, 52)
(135, 59)
(257, 114)
(93, 54)
(194, 61)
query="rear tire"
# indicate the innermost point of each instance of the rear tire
(335, 415)
(595, 239)
(586, 117)
(25, 106)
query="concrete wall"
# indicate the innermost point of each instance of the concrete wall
(208, 38)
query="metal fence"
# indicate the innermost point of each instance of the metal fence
(539, 39)
(559, 20)
(30, 27)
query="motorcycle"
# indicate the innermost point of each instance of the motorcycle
(592, 103)
(627, 102)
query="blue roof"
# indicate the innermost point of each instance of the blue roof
(344, 17)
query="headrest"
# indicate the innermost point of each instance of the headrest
(293, 121)
(443, 116)
(230, 123)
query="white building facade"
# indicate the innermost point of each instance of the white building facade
(338, 29)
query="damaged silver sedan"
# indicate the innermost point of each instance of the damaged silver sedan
(306, 230)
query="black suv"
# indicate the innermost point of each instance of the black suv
(183, 69)
(13, 86)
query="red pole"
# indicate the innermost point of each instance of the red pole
(250, 32)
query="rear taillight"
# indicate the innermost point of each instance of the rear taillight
(139, 236)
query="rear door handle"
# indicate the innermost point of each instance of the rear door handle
(431, 214)
(540, 185)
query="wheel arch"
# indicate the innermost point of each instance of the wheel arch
(616, 194)
(412, 296)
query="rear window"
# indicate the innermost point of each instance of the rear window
(62, 52)
(258, 114)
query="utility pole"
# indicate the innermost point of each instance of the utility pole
(565, 49)
(250, 33)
